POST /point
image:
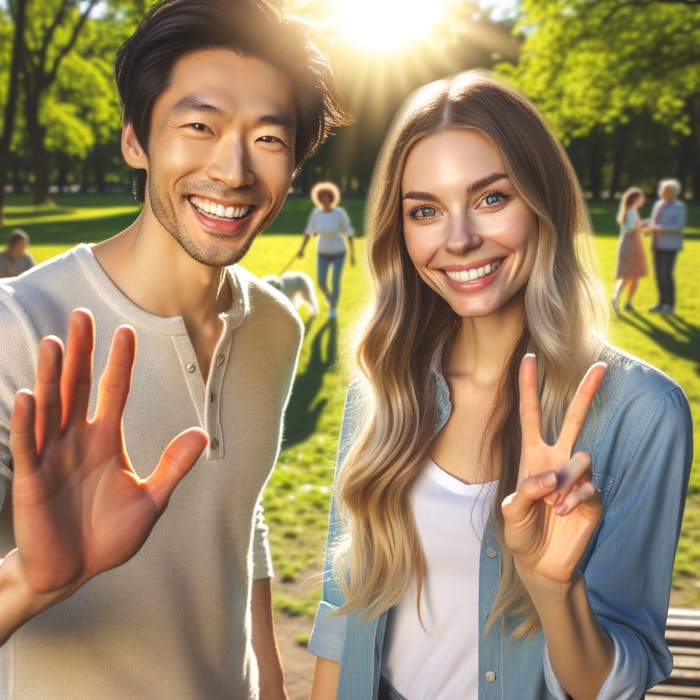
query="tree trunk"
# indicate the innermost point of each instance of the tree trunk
(39, 156)
(12, 96)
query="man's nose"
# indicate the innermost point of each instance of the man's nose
(230, 164)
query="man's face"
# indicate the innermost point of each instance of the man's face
(220, 153)
(17, 249)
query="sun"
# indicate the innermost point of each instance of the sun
(386, 26)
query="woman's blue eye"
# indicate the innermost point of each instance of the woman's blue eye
(423, 212)
(493, 198)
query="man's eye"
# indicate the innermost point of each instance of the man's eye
(271, 139)
(198, 126)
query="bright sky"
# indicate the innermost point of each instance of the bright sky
(387, 27)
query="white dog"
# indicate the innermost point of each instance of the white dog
(298, 287)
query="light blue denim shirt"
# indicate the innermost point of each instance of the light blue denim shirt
(639, 435)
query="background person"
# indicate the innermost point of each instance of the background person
(15, 259)
(668, 218)
(495, 531)
(331, 224)
(631, 259)
(223, 100)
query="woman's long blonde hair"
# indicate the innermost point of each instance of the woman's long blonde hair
(409, 326)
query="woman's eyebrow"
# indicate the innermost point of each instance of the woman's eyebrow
(479, 184)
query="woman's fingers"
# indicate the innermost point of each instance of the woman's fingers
(177, 459)
(518, 504)
(529, 403)
(576, 471)
(115, 383)
(76, 380)
(578, 409)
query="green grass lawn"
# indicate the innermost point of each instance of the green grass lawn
(298, 493)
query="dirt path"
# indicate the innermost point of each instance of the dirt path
(298, 662)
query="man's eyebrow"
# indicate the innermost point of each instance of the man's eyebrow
(197, 104)
(479, 184)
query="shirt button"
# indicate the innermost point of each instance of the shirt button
(191, 368)
(219, 360)
(212, 396)
(214, 444)
(491, 553)
(490, 676)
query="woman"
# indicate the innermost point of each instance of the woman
(484, 540)
(332, 225)
(631, 258)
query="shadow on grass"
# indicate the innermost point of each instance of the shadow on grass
(682, 339)
(304, 406)
(79, 230)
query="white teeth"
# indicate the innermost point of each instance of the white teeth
(474, 273)
(206, 206)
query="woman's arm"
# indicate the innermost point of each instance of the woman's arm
(325, 681)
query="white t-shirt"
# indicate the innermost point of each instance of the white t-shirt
(331, 228)
(439, 658)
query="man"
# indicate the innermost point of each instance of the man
(668, 217)
(15, 260)
(223, 100)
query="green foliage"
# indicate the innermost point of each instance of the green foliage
(593, 64)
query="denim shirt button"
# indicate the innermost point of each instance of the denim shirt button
(491, 553)
(490, 676)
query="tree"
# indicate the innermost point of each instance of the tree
(16, 60)
(594, 68)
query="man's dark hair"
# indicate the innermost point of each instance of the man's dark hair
(255, 28)
(16, 236)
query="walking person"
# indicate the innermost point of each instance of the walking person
(510, 488)
(668, 219)
(631, 259)
(331, 224)
(223, 100)
(15, 259)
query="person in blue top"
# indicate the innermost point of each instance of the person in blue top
(510, 488)
(668, 218)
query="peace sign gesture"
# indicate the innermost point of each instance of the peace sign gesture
(551, 516)
(79, 507)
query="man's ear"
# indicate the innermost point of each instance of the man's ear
(132, 151)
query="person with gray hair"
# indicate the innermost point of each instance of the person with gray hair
(668, 218)
(15, 260)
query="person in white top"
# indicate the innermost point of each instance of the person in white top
(331, 224)
(631, 259)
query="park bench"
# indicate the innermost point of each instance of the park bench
(683, 638)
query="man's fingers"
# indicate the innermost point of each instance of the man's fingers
(177, 459)
(22, 436)
(578, 409)
(529, 403)
(47, 391)
(77, 374)
(115, 383)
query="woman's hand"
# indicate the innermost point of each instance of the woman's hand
(551, 516)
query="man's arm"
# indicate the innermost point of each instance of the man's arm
(78, 506)
(265, 642)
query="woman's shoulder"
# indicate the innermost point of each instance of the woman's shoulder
(637, 393)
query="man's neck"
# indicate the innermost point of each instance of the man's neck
(156, 274)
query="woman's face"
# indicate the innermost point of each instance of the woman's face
(470, 235)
